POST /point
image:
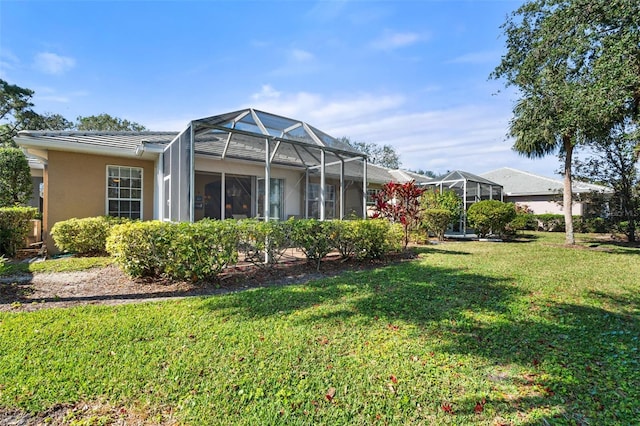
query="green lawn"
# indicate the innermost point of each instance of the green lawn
(470, 333)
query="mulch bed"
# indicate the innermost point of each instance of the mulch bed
(110, 286)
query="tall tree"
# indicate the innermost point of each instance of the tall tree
(382, 155)
(105, 122)
(427, 173)
(15, 102)
(15, 178)
(47, 121)
(612, 162)
(576, 64)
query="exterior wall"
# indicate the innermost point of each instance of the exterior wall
(544, 204)
(75, 186)
(293, 179)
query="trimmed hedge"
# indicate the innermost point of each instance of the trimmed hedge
(555, 223)
(550, 222)
(490, 216)
(14, 228)
(179, 251)
(201, 250)
(315, 238)
(257, 238)
(86, 236)
(367, 239)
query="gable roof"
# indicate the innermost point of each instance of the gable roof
(518, 182)
(107, 143)
(459, 176)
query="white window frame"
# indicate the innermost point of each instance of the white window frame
(107, 198)
(329, 202)
(281, 201)
(371, 192)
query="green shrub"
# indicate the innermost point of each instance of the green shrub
(201, 250)
(141, 248)
(434, 205)
(550, 222)
(315, 238)
(490, 216)
(367, 239)
(377, 238)
(345, 237)
(524, 220)
(436, 221)
(597, 225)
(3, 266)
(14, 228)
(179, 251)
(257, 238)
(85, 236)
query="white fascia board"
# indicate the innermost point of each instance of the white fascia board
(30, 142)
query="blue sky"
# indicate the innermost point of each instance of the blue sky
(412, 74)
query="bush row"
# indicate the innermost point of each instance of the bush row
(555, 223)
(201, 250)
(182, 251)
(86, 236)
(14, 228)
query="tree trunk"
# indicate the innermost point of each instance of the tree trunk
(567, 196)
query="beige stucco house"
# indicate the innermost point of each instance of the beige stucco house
(216, 168)
(543, 194)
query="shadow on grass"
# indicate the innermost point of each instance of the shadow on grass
(580, 359)
(433, 249)
(406, 291)
(611, 246)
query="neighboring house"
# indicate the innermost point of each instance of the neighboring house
(543, 194)
(470, 188)
(216, 168)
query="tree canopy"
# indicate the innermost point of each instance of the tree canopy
(612, 162)
(15, 102)
(15, 178)
(105, 122)
(576, 64)
(382, 155)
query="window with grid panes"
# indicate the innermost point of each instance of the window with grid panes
(124, 192)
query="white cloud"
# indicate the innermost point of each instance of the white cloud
(8, 61)
(492, 56)
(296, 61)
(326, 10)
(50, 63)
(395, 40)
(320, 111)
(267, 92)
(300, 55)
(46, 95)
(466, 137)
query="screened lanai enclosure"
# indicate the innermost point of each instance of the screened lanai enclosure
(470, 188)
(250, 163)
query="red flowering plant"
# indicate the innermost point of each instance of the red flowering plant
(400, 203)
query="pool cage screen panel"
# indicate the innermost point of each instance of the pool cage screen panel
(178, 177)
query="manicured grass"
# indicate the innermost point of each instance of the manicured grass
(470, 333)
(64, 264)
